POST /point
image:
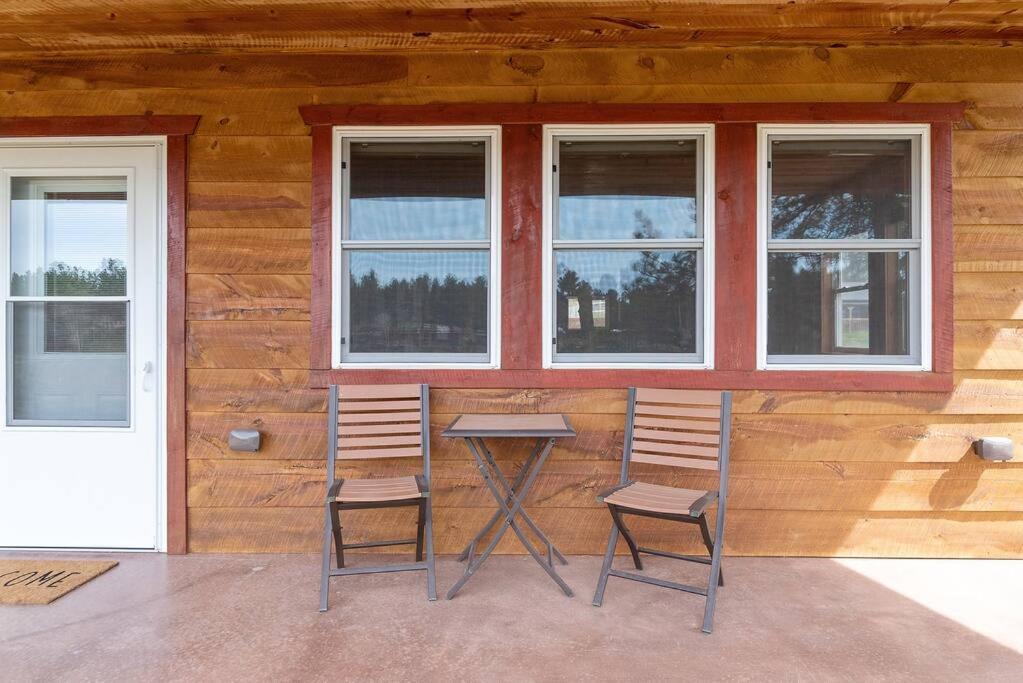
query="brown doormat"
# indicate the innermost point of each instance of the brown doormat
(40, 582)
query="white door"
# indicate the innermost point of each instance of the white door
(79, 405)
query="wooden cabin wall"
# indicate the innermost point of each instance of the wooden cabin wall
(827, 474)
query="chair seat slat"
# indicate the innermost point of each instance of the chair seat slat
(657, 498)
(375, 490)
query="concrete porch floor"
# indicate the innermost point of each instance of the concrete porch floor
(254, 617)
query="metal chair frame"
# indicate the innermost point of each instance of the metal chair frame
(714, 546)
(332, 529)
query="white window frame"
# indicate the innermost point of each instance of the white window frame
(921, 292)
(96, 177)
(705, 262)
(342, 136)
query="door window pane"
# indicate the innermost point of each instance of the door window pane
(68, 361)
(69, 236)
(626, 302)
(417, 190)
(841, 189)
(839, 303)
(627, 189)
(418, 301)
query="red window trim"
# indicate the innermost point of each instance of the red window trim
(177, 129)
(736, 242)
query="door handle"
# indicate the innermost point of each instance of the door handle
(147, 376)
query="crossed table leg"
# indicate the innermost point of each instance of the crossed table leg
(515, 487)
(509, 500)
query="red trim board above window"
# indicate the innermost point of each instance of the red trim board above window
(735, 232)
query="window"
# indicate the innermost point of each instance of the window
(628, 250)
(845, 252)
(69, 301)
(417, 270)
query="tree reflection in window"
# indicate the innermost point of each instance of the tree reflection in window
(429, 302)
(626, 301)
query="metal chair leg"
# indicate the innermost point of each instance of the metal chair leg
(335, 525)
(325, 569)
(419, 531)
(431, 574)
(633, 548)
(715, 573)
(705, 532)
(605, 570)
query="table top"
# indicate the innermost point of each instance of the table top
(510, 425)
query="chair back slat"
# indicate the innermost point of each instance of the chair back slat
(677, 437)
(678, 428)
(696, 412)
(639, 445)
(708, 426)
(379, 418)
(691, 397)
(367, 453)
(363, 406)
(675, 461)
(380, 421)
(356, 429)
(353, 442)
(378, 391)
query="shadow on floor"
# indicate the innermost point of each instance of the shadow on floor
(254, 617)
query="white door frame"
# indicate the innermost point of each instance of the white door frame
(160, 143)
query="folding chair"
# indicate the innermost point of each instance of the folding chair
(688, 429)
(388, 421)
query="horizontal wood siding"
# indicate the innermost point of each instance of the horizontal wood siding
(814, 473)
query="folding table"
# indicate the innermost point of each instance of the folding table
(545, 429)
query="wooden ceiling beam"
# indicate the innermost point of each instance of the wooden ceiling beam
(332, 25)
(572, 112)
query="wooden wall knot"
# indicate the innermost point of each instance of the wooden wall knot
(724, 195)
(530, 65)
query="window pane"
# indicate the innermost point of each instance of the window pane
(841, 189)
(69, 361)
(624, 189)
(839, 303)
(69, 236)
(418, 190)
(625, 302)
(418, 302)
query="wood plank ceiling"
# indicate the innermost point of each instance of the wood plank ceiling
(51, 26)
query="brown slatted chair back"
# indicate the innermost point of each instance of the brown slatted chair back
(381, 421)
(678, 428)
